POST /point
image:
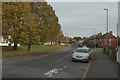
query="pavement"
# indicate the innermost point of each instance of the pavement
(102, 67)
(57, 65)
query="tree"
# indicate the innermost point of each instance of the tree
(12, 13)
(30, 27)
(31, 32)
(60, 36)
(27, 23)
(50, 27)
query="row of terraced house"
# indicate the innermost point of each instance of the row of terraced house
(100, 41)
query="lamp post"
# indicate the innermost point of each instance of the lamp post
(107, 30)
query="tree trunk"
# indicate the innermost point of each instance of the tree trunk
(51, 42)
(15, 46)
(29, 47)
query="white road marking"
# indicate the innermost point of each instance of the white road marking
(64, 66)
(86, 71)
(53, 71)
(61, 69)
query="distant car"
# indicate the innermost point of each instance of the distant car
(118, 54)
(80, 45)
(73, 43)
(82, 54)
(117, 49)
(62, 43)
(84, 46)
(46, 43)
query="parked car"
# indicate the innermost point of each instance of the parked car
(62, 43)
(80, 45)
(82, 54)
(118, 54)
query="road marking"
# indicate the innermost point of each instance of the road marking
(88, 65)
(49, 54)
(86, 70)
(51, 72)
(11, 62)
(54, 71)
(27, 58)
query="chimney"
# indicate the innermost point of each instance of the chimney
(110, 32)
(100, 33)
(95, 34)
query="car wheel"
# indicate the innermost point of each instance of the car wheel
(87, 61)
(72, 60)
(90, 59)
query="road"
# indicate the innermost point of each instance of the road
(55, 64)
(58, 64)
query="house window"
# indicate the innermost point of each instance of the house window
(110, 39)
(102, 44)
(110, 44)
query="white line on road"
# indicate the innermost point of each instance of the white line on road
(51, 72)
(86, 71)
(54, 71)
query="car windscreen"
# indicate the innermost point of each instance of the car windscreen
(82, 50)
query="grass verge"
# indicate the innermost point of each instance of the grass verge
(98, 48)
(22, 50)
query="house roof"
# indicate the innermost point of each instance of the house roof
(91, 38)
(99, 36)
(109, 35)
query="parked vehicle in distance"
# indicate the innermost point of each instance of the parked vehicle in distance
(80, 45)
(62, 43)
(82, 54)
(118, 54)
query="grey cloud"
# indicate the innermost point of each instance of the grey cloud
(79, 18)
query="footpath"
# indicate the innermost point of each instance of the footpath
(102, 67)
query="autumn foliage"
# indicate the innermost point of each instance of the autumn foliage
(28, 23)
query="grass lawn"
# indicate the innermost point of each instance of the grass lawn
(41, 47)
(98, 48)
(22, 50)
(0, 55)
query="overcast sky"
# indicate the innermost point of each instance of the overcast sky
(85, 18)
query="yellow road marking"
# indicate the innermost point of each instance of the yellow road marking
(10, 62)
(36, 57)
(28, 58)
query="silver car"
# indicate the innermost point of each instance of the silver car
(82, 54)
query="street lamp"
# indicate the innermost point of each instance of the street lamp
(107, 30)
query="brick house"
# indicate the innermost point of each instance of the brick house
(112, 40)
(91, 39)
(99, 40)
(65, 40)
(112, 43)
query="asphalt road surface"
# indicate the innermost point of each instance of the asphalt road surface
(56, 64)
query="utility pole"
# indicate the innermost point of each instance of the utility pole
(117, 34)
(94, 38)
(107, 31)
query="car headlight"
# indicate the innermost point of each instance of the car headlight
(86, 56)
(73, 55)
